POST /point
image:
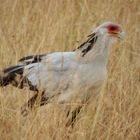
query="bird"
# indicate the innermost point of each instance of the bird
(65, 77)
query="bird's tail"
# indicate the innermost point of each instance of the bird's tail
(11, 75)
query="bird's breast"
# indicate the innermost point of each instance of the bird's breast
(90, 72)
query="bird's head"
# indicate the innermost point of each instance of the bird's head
(100, 38)
(110, 30)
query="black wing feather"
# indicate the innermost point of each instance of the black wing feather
(32, 59)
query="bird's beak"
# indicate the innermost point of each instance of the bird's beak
(121, 35)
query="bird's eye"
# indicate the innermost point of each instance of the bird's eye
(112, 28)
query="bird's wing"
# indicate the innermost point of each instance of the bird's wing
(50, 70)
(35, 69)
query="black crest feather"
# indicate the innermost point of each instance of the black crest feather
(88, 44)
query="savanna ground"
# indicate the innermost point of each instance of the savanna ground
(43, 26)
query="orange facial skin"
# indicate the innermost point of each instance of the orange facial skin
(114, 29)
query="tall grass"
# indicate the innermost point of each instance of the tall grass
(37, 26)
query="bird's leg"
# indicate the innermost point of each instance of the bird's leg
(73, 116)
(29, 105)
(37, 99)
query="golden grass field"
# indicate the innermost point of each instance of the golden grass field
(43, 26)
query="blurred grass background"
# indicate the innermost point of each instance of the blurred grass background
(32, 27)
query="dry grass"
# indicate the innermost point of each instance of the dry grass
(38, 26)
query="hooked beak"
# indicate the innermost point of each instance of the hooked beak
(121, 35)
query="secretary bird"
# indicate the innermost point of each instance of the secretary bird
(65, 77)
